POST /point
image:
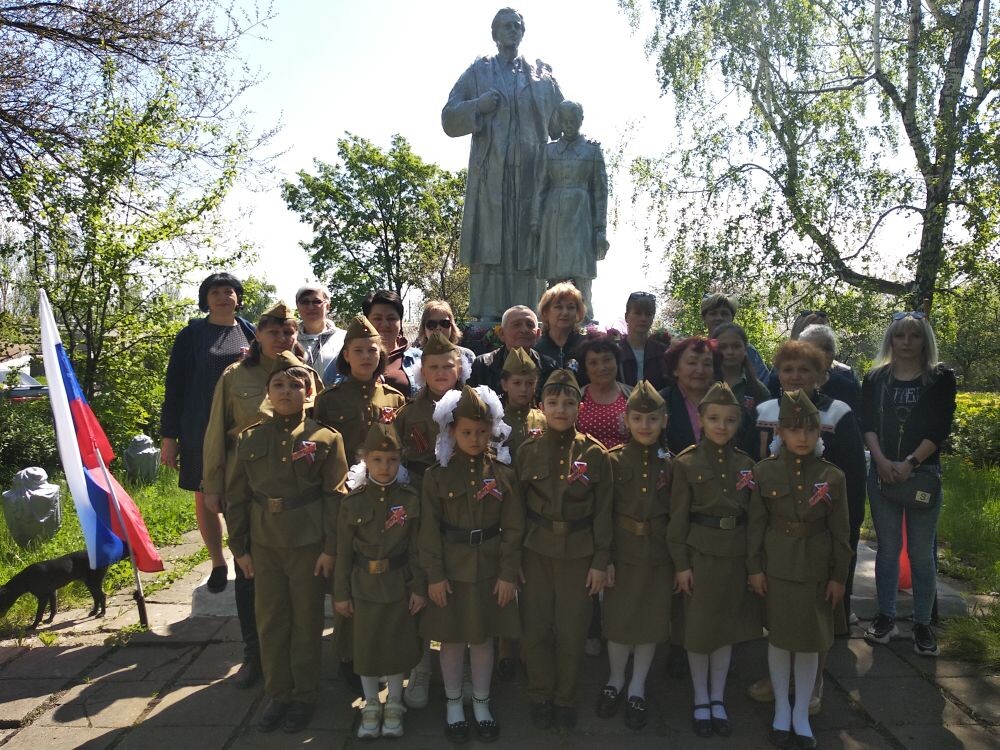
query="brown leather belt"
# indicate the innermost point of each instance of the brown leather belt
(561, 528)
(639, 528)
(378, 567)
(717, 522)
(472, 537)
(800, 528)
(281, 504)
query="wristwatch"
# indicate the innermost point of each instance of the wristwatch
(913, 461)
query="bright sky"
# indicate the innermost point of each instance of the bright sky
(379, 67)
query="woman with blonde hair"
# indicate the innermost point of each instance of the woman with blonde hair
(561, 310)
(908, 401)
(436, 317)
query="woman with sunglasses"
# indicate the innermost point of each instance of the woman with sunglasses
(318, 335)
(908, 401)
(437, 316)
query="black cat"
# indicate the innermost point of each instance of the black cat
(44, 578)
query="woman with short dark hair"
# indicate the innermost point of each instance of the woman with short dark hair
(384, 308)
(602, 408)
(691, 366)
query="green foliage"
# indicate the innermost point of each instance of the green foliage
(970, 520)
(967, 324)
(27, 438)
(814, 140)
(167, 510)
(258, 296)
(975, 638)
(975, 435)
(381, 219)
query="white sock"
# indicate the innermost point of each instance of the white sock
(719, 667)
(779, 664)
(452, 664)
(642, 660)
(617, 660)
(481, 666)
(481, 706)
(369, 685)
(698, 664)
(455, 711)
(806, 665)
(395, 683)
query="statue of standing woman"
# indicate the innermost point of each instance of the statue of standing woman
(570, 212)
(507, 105)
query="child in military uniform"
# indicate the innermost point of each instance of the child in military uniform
(641, 575)
(284, 494)
(800, 551)
(709, 497)
(360, 399)
(440, 370)
(470, 547)
(378, 581)
(566, 480)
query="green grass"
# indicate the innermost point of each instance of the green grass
(975, 638)
(970, 523)
(167, 510)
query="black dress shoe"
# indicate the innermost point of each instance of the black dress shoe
(608, 702)
(247, 675)
(542, 714)
(635, 712)
(721, 727)
(677, 663)
(702, 727)
(805, 743)
(566, 717)
(272, 715)
(297, 717)
(457, 732)
(218, 579)
(780, 737)
(487, 731)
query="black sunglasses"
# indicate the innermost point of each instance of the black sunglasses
(314, 301)
(915, 314)
(433, 324)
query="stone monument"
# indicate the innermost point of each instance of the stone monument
(31, 507)
(507, 105)
(569, 214)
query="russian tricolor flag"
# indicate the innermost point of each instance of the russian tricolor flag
(82, 446)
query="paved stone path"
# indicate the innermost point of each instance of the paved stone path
(167, 689)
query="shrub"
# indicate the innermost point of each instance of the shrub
(976, 431)
(27, 438)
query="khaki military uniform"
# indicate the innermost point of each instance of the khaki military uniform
(352, 407)
(240, 400)
(418, 431)
(637, 607)
(377, 569)
(470, 535)
(799, 535)
(566, 479)
(524, 422)
(713, 484)
(285, 493)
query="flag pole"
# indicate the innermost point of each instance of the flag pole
(140, 598)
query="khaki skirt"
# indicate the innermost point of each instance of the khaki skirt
(385, 638)
(472, 616)
(722, 610)
(798, 616)
(637, 607)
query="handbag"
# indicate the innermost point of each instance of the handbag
(922, 489)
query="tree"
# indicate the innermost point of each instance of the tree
(110, 234)
(847, 126)
(258, 296)
(381, 219)
(54, 56)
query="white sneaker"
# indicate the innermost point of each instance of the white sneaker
(592, 647)
(392, 719)
(371, 721)
(417, 692)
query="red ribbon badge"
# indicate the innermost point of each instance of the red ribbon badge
(489, 488)
(663, 480)
(746, 481)
(419, 439)
(749, 402)
(386, 414)
(534, 432)
(822, 493)
(579, 473)
(397, 516)
(308, 450)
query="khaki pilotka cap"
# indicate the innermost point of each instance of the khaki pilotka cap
(360, 328)
(644, 399)
(720, 393)
(280, 311)
(437, 343)
(566, 378)
(382, 437)
(519, 362)
(471, 406)
(794, 406)
(286, 361)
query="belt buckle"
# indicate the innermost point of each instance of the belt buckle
(560, 527)
(727, 523)
(475, 537)
(275, 504)
(377, 567)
